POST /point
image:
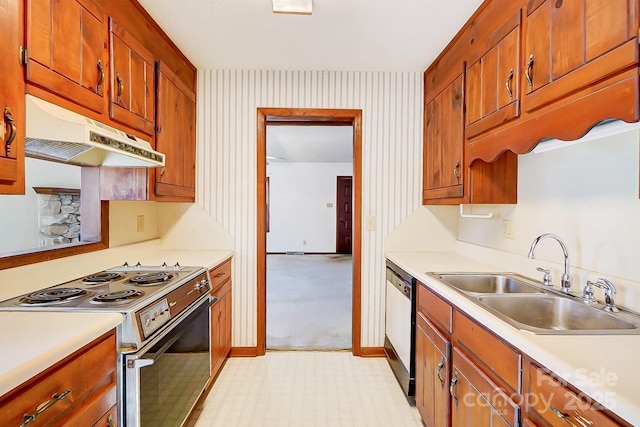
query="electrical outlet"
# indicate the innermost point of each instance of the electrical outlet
(140, 223)
(304, 243)
(508, 231)
(371, 223)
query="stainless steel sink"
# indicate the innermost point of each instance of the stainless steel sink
(488, 283)
(555, 314)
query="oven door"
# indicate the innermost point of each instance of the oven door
(165, 378)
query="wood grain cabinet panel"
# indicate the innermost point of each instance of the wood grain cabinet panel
(220, 316)
(11, 100)
(132, 100)
(570, 44)
(67, 50)
(443, 166)
(432, 374)
(493, 81)
(476, 400)
(81, 388)
(176, 137)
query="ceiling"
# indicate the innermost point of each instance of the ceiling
(340, 35)
(324, 144)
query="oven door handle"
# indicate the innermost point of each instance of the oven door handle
(139, 363)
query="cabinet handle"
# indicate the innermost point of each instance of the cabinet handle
(440, 366)
(28, 418)
(100, 76)
(120, 87)
(162, 172)
(527, 71)
(456, 170)
(110, 422)
(563, 416)
(452, 389)
(508, 84)
(219, 275)
(12, 130)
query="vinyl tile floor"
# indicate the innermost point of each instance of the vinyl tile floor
(304, 388)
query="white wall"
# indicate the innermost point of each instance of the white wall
(19, 228)
(588, 195)
(226, 166)
(299, 218)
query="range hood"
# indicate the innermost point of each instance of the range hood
(55, 133)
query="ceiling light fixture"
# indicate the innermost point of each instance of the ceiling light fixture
(292, 6)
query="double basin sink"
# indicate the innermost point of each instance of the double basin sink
(526, 305)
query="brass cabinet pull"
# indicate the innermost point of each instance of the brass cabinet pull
(440, 366)
(564, 417)
(28, 418)
(452, 389)
(456, 170)
(12, 130)
(508, 84)
(120, 87)
(110, 422)
(527, 71)
(162, 172)
(100, 76)
(219, 275)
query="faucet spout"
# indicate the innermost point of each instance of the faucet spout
(566, 278)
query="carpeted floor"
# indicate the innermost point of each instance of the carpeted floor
(309, 302)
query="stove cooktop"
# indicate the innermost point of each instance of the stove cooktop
(121, 289)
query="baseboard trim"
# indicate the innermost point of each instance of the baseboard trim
(372, 352)
(243, 352)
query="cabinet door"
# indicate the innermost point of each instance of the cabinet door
(493, 81)
(432, 374)
(176, 137)
(476, 400)
(132, 81)
(67, 49)
(570, 44)
(443, 143)
(11, 101)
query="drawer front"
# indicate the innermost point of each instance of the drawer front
(90, 375)
(435, 309)
(560, 406)
(220, 274)
(502, 363)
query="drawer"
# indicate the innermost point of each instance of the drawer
(435, 309)
(559, 406)
(89, 376)
(220, 274)
(498, 360)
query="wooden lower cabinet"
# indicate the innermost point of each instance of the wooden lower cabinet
(78, 391)
(432, 373)
(476, 400)
(220, 316)
(555, 404)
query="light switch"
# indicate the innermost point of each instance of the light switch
(371, 223)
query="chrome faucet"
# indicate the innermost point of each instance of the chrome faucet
(566, 278)
(609, 292)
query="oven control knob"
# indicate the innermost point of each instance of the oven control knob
(138, 265)
(177, 266)
(125, 265)
(164, 265)
(148, 321)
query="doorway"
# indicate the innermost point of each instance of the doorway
(305, 117)
(344, 214)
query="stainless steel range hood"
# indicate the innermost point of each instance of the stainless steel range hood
(55, 133)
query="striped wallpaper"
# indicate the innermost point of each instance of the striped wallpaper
(226, 166)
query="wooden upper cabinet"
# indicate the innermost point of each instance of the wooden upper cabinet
(132, 81)
(175, 137)
(11, 100)
(67, 49)
(443, 166)
(570, 44)
(493, 80)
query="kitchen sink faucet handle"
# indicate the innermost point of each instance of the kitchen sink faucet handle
(546, 280)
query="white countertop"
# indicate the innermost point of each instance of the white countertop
(32, 341)
(603, 367)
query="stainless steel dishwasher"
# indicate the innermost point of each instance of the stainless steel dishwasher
(400, 327)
